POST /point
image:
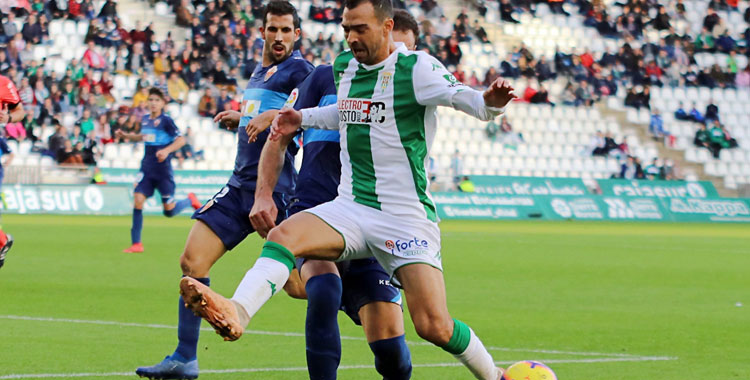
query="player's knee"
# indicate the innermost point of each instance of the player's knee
(192, 266)
(324, 292)
(281, 235)
(434, 328)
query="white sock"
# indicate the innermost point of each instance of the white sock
(263, 280)
(478, 360)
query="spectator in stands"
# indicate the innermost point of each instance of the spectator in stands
(661, 21)
(696, 115)
(717, 139)
(742, 80)
(93, 59)
(101, 134)
(15, 131)
(69, 155)
(711, 20)
(480, 33)
(465, 185)
(631, 169)
(654, 170)
(702, 137)
(32, 30)
(510, 139)
(177, 88)
(584, 95)
(712, 112)
(681, 114)
(86, 122)
(207, 106)
(491, 129)
(656, 125)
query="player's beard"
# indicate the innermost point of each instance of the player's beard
(272, 52)
(365, 54)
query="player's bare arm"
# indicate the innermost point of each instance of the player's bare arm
(230, 119)
(289, 120)
(259, 124)
(163, 153)
(134, 137)
(264, 212)
(13, 114)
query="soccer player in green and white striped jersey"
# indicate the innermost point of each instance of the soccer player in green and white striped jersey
(387, 97)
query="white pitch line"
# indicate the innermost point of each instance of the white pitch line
(294, 334)
(343, 367)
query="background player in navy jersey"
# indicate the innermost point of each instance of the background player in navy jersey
(359, 287)
(223, 222)
(162, 139)
(11, 111)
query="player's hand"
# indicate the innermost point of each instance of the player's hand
(499, 94)
(263, 215)
(230, 119)
(286, 123)
(259, 124)
(120, 134)
(4, 116)
(162, 155)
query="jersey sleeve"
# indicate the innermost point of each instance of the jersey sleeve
(312, 89)
(170, 127)
(434, 85)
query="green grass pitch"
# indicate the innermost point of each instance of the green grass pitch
(593, 300)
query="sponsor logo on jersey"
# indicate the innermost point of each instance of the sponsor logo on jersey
(270, 73)
(410, 247)
(361, 111)
(250, 108)
(452, 80)
(292, 99)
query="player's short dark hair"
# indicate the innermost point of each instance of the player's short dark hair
(157, 92)
(281, 8)
(383, 8)
(404, 21)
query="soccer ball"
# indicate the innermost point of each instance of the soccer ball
(529, 370)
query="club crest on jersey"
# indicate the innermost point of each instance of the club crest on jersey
(361, 111)
(157, 122)
(292, 98)
(385, 81)
(270, 73)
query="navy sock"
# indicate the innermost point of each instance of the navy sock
(392, 358)
(178, 207)
(323, 343)
(135, 230)
(188, 329)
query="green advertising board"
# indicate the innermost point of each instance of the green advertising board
(88, 199)
(67, 199)
(500, 185)
(604, 208)
(482, 206)
(708, 210)
(591, 207)
(215, 178)
(658, 189)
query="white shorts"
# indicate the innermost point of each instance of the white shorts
(393, 241)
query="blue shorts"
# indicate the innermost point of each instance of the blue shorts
(227, 214)
(364, 280)
(148, 182)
